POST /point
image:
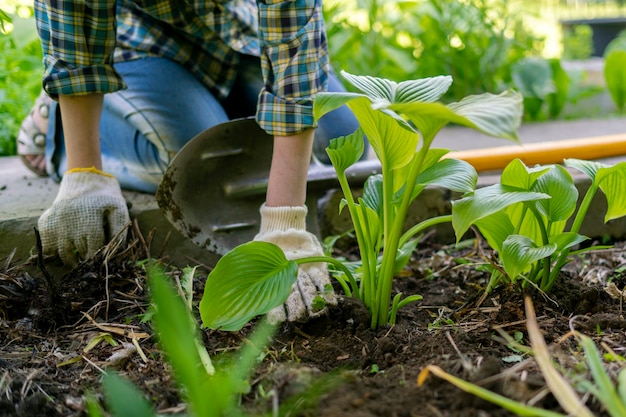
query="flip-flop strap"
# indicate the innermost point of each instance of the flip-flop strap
(30, 140)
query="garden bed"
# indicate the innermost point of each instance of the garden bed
(335, 365)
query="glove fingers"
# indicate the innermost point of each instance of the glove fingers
(117, 220)
(277, 315)
(308, 291)
(295, 305)
(47, 234)
(318, 275)
(69, 255)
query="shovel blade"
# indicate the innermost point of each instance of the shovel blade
(195, 194)
(215, 185)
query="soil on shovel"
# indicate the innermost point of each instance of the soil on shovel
(60, 329)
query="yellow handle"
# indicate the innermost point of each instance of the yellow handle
(590, 148)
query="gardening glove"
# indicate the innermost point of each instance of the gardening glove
(88, 212)
(286, 228)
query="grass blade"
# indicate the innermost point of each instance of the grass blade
(504, 402)
(560, 388)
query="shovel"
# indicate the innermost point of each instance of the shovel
(215, 185)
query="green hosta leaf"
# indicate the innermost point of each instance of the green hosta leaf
(495, 115)
(525, 221)
(484, 202)
(452, 174)
(533, 77)
(248, 281)
(433, 155)
(612, 182)
(589, 168)
(519, 253)
(400, 175)
(345, 151)
(327, 102)
(392, 143)
(372, 196)
(615, 77)
(516, 174)
(125, 399)
(404, 255)
(558, 184)
(370, 224)
(567, 240)
(495, 228)
(611, 179)
(384, 91)
(391, 138)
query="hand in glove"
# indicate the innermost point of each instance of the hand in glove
(286, 228)
(88, 212)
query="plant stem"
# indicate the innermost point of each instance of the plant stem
(422, 226)
(392, 238)
(365, 292)
(545, 279)
(576, 225)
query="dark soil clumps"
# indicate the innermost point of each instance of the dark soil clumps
(53, 348)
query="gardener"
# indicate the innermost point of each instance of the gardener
(180, 67)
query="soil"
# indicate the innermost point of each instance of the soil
(59, 329)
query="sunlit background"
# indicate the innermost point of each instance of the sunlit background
(485, 45)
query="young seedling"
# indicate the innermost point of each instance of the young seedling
(209, 392)
(400, 121)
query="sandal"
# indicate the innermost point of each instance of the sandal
(31, 141)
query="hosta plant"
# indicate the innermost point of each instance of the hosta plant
(525, 216)
(400, 121)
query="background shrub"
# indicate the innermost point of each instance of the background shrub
(20, 71)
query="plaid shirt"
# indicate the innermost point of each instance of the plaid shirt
(82, 39)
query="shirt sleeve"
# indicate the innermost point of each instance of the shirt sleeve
(78, 40)
(294, 58)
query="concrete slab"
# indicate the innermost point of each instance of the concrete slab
(24, 196)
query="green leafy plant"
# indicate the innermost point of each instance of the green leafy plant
(544, 84)
(524, 217)
(208, 391)
(400, 121)
(475, 42)
(615, 74)
(577, 42)
(611, 395)
(20, 74)
(376, 31)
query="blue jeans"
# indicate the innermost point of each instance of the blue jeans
(164, 106)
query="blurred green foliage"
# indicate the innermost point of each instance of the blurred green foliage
(577, 42)
(615, 71)
(482, 44)
(476, 42)
(20, 73)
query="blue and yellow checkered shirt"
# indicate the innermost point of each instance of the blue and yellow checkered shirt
(82, 39)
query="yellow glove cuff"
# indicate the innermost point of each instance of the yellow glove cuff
(92, 170)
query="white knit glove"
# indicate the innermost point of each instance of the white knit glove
(286, 228)
(88, 212)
